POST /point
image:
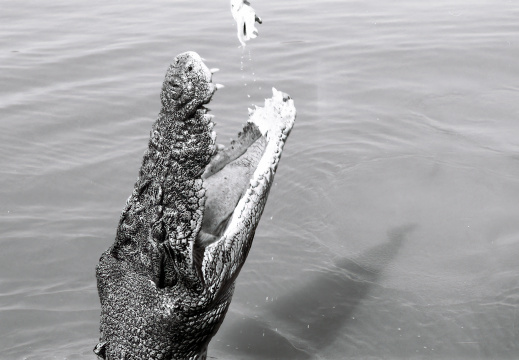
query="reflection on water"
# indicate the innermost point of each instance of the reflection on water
(407, 114)
(311, 317)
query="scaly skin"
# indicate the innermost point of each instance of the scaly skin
(163, 294)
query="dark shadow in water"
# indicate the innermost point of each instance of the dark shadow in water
(311, 317)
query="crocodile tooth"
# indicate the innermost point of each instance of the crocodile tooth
(213, 70)
(219, 86)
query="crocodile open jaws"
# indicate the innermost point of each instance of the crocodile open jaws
(167, 281)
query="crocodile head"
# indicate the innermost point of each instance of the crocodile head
(188, 81)
(164, 286)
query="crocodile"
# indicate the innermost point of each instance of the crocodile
(167, 281)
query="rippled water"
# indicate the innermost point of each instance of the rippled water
(392, 231)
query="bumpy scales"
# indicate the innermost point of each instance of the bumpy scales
(164, 288)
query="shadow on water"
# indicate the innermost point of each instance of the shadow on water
(309, 318)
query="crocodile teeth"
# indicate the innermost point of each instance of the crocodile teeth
(277, 94)
(219, 86)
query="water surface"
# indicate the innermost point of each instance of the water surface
(391, 231)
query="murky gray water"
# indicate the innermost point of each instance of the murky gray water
(392, 231)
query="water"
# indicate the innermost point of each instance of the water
(391, 231)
